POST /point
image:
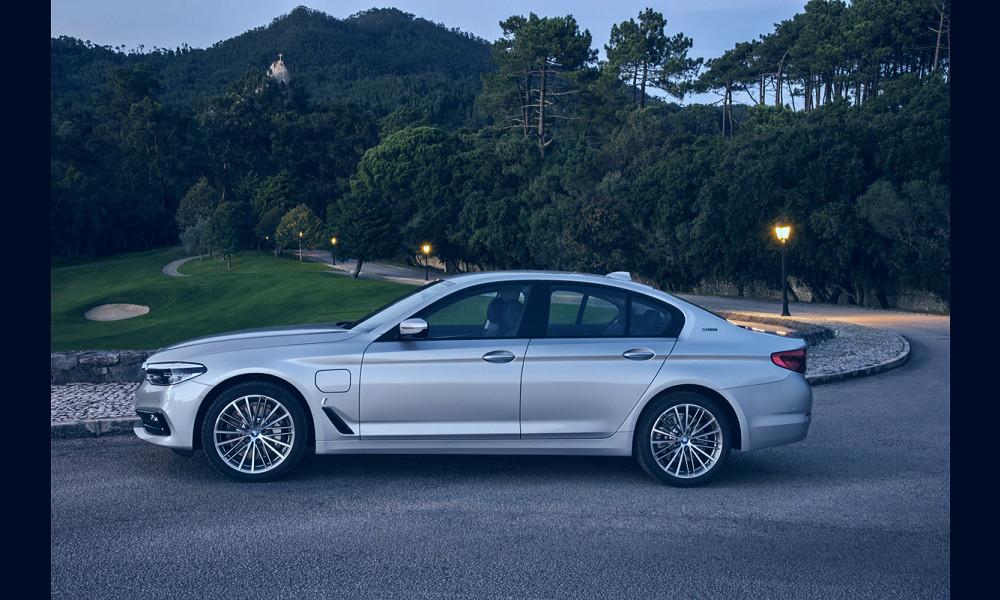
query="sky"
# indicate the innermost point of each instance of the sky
(713, 25)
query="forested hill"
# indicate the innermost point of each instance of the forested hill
(396, 132)
(378, 59)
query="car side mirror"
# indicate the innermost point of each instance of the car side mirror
(413, 329)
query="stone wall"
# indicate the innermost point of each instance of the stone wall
(97, 366)
(798, 292)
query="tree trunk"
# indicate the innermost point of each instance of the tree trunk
(937, 46)
(541, 113)
(732, 129)
(642, 93)
(357, 269)
(777, 80)
(635, 79)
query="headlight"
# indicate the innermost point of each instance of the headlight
(171, 373)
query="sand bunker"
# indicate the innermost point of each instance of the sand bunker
(115, 312)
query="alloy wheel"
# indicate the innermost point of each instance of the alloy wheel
(253, 434)
(686, 441)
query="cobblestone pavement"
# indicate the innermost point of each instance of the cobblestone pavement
(85, 401)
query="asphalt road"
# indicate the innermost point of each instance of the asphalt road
(860, 509)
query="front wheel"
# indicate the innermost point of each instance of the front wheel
(254, 431)
(682, 439)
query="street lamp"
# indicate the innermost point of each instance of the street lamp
(782, 232)
(427, 250)
(300, 246)
(333, 242)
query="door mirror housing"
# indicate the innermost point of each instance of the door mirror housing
(413, 329)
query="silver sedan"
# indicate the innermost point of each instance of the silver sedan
(511, 362)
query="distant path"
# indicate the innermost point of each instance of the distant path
(370, 270)
(171, 269)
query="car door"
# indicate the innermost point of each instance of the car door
(461, 381)
(600, 350)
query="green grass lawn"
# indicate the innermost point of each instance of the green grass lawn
(258, 291)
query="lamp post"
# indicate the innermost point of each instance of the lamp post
(300, 246)
(782, 232)
(427, 250)
(333, 255)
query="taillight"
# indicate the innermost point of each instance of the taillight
(794, 360)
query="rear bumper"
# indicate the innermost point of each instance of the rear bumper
(776, 413)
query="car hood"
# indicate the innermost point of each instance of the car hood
(264, 337)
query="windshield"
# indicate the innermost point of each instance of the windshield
(402, 304)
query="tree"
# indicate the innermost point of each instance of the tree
(236, 128)
(274, 192)
(643, 53)
(916, 221)
(193, 237)
(266, 229)
(299, 226)
(728, 73)
(943, 28)
(420, 170)
(228, 229)
(198, 204)
(537, 58)
(363, 224)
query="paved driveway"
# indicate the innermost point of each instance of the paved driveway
(860, 509)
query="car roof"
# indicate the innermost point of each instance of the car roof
(616, 279)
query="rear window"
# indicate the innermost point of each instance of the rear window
(594, 311)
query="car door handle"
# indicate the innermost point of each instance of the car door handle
(499, 356)
(639, 354)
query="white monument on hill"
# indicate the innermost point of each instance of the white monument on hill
(278, 71)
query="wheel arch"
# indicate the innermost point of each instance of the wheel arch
(735, 427)
(247, 378)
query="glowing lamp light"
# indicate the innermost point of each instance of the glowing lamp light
(427, 250)
(782, 231)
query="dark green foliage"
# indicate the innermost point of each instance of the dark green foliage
(383, 147)
(377, 59)
(538, 61)
(228, 230)
(299, 227)
(365, 227)
(416, 170)
(198, 204)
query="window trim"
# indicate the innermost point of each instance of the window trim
(392, 335)
(544, 292)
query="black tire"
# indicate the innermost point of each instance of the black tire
(260, 451)
(682, 439)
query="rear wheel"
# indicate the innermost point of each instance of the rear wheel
(682, 439)
(254, 431)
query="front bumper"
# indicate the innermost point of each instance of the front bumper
(176, 409)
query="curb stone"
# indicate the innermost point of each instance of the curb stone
(92, 428)
(898, 361)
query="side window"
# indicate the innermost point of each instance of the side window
(494, 312)
(648, 320)
(577, 311)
